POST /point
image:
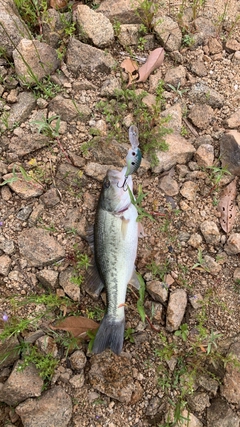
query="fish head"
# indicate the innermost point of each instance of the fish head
(114, 195)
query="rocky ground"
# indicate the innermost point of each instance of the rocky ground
(180, 367)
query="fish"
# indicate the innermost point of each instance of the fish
(114, 244)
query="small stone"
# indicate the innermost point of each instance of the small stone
(24, 213)
(174, 113)
(96, 170)
(198, 68)
(211, 265)
(236, 274)
(234, 120)
(232, 45)
(169, 185)
(78, 360)
(109, 87)
(50, 198)
(47, 345)
(198, 401)
(209, 384)
(195, 240)
(157, 312)
(205, 155)
(54, 408)
(77, 381)
(201, 115)
(129, 34)
(7, 246)
(232, 246)
(67, 283)
(69, 109)
(176, 309)
(215, 46)
(6, 193)
(5, 265)
(175, 77)
(210, 232)
(196, 301)
(168, 31)
(202, 93)
(189, 190)
(48, 278)
(157, 290)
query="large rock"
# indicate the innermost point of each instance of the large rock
(168, 32)
(82, 57)
(12, 28)
(53, 408)
(27, 143)
(179, 151)
(231, 382)
(34, 60)
(69, 109)
(95, 26)
(22, 109)
(8, 351)
(123, 11)
(221, 415)
(202, 93)
(113, 375)
(39, 248)
(22, 187)
(176, 309)
(21, 384)
(230, 151)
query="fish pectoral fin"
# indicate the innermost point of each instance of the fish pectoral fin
(141, 232)
(124, 227)
(93, 284)
(134, 280)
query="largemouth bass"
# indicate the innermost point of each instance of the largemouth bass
(115, 249)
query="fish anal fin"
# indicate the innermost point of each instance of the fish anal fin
(93, 283)
(134, 280)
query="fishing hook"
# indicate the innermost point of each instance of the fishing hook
(124, 182)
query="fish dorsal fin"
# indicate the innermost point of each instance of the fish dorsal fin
(93, 284)
(134, 280)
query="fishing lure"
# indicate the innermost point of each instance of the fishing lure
(134, 156)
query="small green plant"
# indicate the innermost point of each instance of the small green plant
(32, 12)
(128, 334)
(200, 265)
(81, 262)
(140, 301)
(159, 271)
(187, 40)
(117, 28)
(179, 92)
(46, 127)
(141, 43)
(45, 363)
(184, 131)
(182, 332)
(137, 202)
(145, 11)
(217, 173)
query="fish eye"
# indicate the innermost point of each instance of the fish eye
(107, 183)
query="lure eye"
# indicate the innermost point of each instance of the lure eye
(133, 153)
(107, 183)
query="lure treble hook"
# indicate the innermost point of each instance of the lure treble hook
(124, 182)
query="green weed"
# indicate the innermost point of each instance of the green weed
(45, 363)
(137, 202)
(128, 334)
(159, 271)
(46, 126)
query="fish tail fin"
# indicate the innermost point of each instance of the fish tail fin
(110, 334)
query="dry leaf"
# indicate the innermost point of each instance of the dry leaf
(227, 206)
(58, 4)
(76, 325)
(131, 68)
(154, 60)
